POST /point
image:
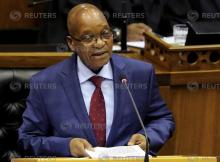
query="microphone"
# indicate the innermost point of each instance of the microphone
(124, 81)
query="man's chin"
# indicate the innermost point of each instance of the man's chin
(100, 62)
(100, 65)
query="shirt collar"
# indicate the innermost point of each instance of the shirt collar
(84, 73)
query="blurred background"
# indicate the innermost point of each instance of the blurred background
(44, 21)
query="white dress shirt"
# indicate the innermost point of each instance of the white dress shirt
(87, 88)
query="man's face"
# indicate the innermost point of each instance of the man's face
(92, 40)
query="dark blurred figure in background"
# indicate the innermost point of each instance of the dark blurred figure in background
(55, 30)
(173, 12)
(142, 15)
(205, 10)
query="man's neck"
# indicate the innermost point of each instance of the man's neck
(97, 71)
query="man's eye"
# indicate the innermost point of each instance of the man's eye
(106, 33)
(87, 38)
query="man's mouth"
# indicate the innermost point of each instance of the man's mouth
(99, 53)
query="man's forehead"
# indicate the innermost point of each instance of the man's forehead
(94, 27)
(85, 14)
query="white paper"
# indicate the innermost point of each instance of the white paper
(116, 152)
(169, 40)
(138, 44)
(116, 47)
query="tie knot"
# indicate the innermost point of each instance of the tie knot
(97, 80)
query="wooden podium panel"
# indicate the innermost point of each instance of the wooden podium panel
(13, 14)
(175, 58)
(192, 91)
(157, 159)
(194, 101)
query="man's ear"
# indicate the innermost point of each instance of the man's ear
(70, 43)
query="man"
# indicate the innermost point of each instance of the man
(89, 106)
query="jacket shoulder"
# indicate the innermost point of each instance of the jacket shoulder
(133, 63)
(50, 73)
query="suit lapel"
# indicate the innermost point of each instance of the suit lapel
(71, 85)
(118, 71)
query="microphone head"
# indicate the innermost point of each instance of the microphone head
(123, 79)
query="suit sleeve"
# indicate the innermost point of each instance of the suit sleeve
(159, 123)
(34, 134)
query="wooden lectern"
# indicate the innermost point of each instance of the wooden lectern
(178, 58)
(191, 88)
(157, 159)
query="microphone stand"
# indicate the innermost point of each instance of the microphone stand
(124, 82)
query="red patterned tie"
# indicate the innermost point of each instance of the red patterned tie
(97, 113)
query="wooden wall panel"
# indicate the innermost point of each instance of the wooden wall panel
(197, 118)
(169, 147)
(13, 14)
(196, 112)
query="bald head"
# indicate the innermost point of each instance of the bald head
(83, 14)
(90, 36)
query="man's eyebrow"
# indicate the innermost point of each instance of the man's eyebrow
(106, 27)
(88, 31)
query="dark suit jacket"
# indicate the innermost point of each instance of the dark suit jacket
(57, 113)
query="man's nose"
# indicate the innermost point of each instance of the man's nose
(99, 42)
